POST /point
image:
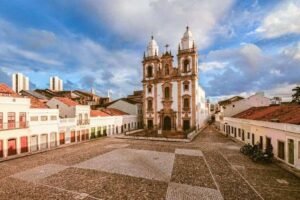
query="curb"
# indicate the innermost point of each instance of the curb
(163, 139)
(27, 154)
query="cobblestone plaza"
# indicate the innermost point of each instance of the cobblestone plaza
(210, 167)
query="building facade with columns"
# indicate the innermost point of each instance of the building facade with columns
(173, 100)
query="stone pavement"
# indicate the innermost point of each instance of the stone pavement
(210, 167)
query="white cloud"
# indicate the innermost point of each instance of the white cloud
(80, 61)
(207, 66)
(293, 51)
(135, 20)
(249, 69)
(13, 51)
(283, 20)
(283, 90)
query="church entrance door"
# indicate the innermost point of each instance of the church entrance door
(167, 123)
(186, 125)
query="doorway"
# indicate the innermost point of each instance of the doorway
(291, 151)
(186, 125)
(150, 123)
(167, 123)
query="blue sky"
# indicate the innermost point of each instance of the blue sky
(244, 46)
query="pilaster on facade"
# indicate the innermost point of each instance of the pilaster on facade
(175, 88)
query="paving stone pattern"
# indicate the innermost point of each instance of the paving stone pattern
(40, 172)
(189, 152)
(192, 171)
(210, 167)
(181, 191)
(139, 163)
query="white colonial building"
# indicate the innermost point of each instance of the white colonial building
(28, 125)
(43, 128)
(173, 99)
(129, 106)
(237, 104)
(276, 125)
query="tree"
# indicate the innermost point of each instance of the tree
(296, 95)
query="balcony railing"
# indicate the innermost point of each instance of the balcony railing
(83, 122)
(13, 125)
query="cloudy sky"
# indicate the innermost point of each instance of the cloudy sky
(244, 46)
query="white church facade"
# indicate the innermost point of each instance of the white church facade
(173, 99)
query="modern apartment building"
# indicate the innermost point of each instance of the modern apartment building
(56, 84)
(19, 82)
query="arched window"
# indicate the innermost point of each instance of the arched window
(167, 70)
(149, 71)
(167, 92)
(186, 65)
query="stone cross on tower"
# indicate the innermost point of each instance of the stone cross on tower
(167, 46)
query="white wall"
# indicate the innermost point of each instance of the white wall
(159, 97)
(275, 131)
(257, 100)
(43, 123)
(16, 105)
(64, 110)
(125, 107)
(43, 127)
(174, 96)
(111, 122)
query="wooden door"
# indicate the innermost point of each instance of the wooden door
(34, 143)
(24, 144)
(12, 147)
(1, 148)
(61, 138)
(73, 136)
(44, 141)
(53, 141)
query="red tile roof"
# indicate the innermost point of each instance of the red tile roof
(36, 103)
(230, 100)
(7, 91)
(98, 113)
(114, 112)
(67, 101)
(283, 114)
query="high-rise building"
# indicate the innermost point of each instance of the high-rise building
(56, 84)
(20, 82)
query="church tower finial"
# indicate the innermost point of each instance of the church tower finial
(167, 46)
(187, 39)
(152, 48)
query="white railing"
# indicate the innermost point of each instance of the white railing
(67, 122)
